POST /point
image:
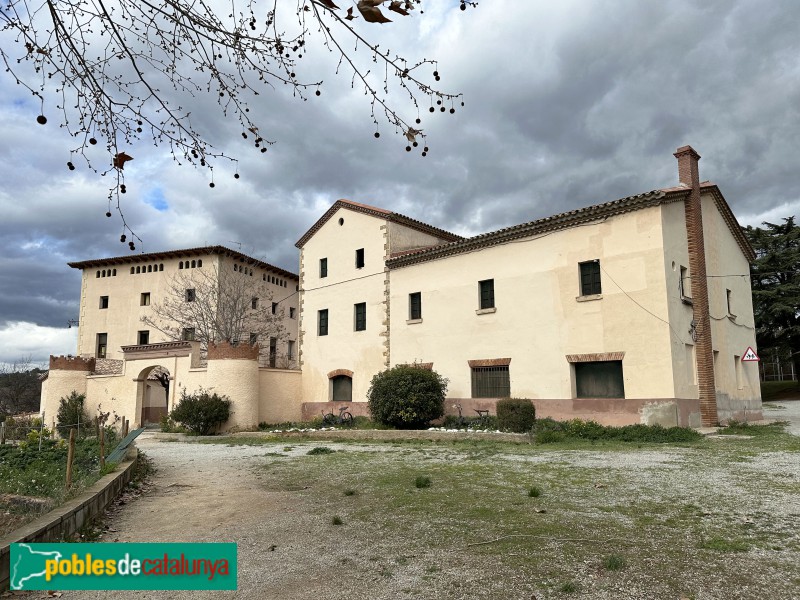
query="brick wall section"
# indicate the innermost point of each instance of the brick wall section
(338, 372)
(72, 363)
(689, 175)
(490, 362)
(224, 350)
(602, 356)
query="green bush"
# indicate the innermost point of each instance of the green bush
(407, 397)
(515, 414)
(71, 413)
(201, 412)
(548, 431)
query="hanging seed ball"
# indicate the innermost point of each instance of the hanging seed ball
(291, 75)
(415, 144)
(222, 94)
(418, 121)
(236, 176)
(70, 166)
(443, 109)
(244, 135)
(246, 110)
(92, 141)
(433, 109)
(462, 104)
(263, 150)
(122, 238)
(438, 102)
(131, 246)
(377, 134)
(436, 73)
(452, 110)
(211, 185)
(424, 153)
(437, 78)
(463, 6)
(138, 130)
(123, 189)
(203, 162)
(408, 148)
(425, 149)
(41, 119)
(318, 93)
(138, 122)
(108, 213)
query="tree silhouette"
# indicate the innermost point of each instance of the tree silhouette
(113, 72)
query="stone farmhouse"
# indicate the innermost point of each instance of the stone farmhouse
(637, 310)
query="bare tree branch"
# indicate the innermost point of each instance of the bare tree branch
(122, 70)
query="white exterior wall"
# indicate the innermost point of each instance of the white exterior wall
(121, 321)
(361, 352)
(538, 320)
(737, 383)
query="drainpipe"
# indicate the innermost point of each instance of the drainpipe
(689, 176)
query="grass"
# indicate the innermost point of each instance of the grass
(780, 390)
(337, 520)
(320, 450)
(660, 513)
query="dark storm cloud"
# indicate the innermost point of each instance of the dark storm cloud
(567, 104)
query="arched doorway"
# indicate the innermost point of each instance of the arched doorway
(154, 394)
(342, 388)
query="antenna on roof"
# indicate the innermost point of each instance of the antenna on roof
(238, 243)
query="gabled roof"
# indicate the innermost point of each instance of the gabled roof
(380, 213)
(188, 252)
(574, 218)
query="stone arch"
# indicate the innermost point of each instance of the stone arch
(154, 392)
(341, 385)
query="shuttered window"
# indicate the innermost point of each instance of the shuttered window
(415, 305)
(486, 289)
(322, 322)
(590, 278)
(360, 316)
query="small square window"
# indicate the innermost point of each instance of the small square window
(322, 322)
(590, 278)
(360, 258)
(190, 295)
(253, 339)
(360, 316)
(143, 338)
(188, 334)
(292, 312)
(486, 289)
(144, 299)
(103, 301)
(323, 267)
(415, 306)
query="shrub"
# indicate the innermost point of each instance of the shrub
(320, 450)
(168, 425)
(515, 414)
(615, 562)
(535, 491)
(407, 397)
(422, 481)
(72, 414)
(201, 412)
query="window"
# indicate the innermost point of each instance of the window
(600, 379)
(132, 270)
(180, 265)
(728, 301)
(360, 316)
(491, 382)
(686, 286)
(144, 299)
(254, 303)
(188, 334)
(737, 366)
(323, 267)
(590, 278)
(290, 350)
(190, 295)
(292, 312)
(273, 351)
(415, 306)
(360, 258)
(98, 275)
(143, 338)
(102, 345)
(342, 388)
(103, 301)
(253, 339)
(274, 308)
(486, 289)
(194, 264)
(322, 322)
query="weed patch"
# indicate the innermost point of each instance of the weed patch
(320, 450)
(422, 481)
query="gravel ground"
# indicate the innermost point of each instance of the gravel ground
(785, 410)
(216, 492)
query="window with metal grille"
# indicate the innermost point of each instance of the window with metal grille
(491, 382)
(486, 289)
(323, 267)
(590, 278)
(360, 258)
(360, 316)
(273, 351)
(322, 322)
(415, 305)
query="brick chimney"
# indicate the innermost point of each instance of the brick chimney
(689, 175)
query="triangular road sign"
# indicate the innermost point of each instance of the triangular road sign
(750, 356)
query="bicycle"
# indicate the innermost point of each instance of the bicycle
(345, 418)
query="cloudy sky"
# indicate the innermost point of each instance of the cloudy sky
(567, 104)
